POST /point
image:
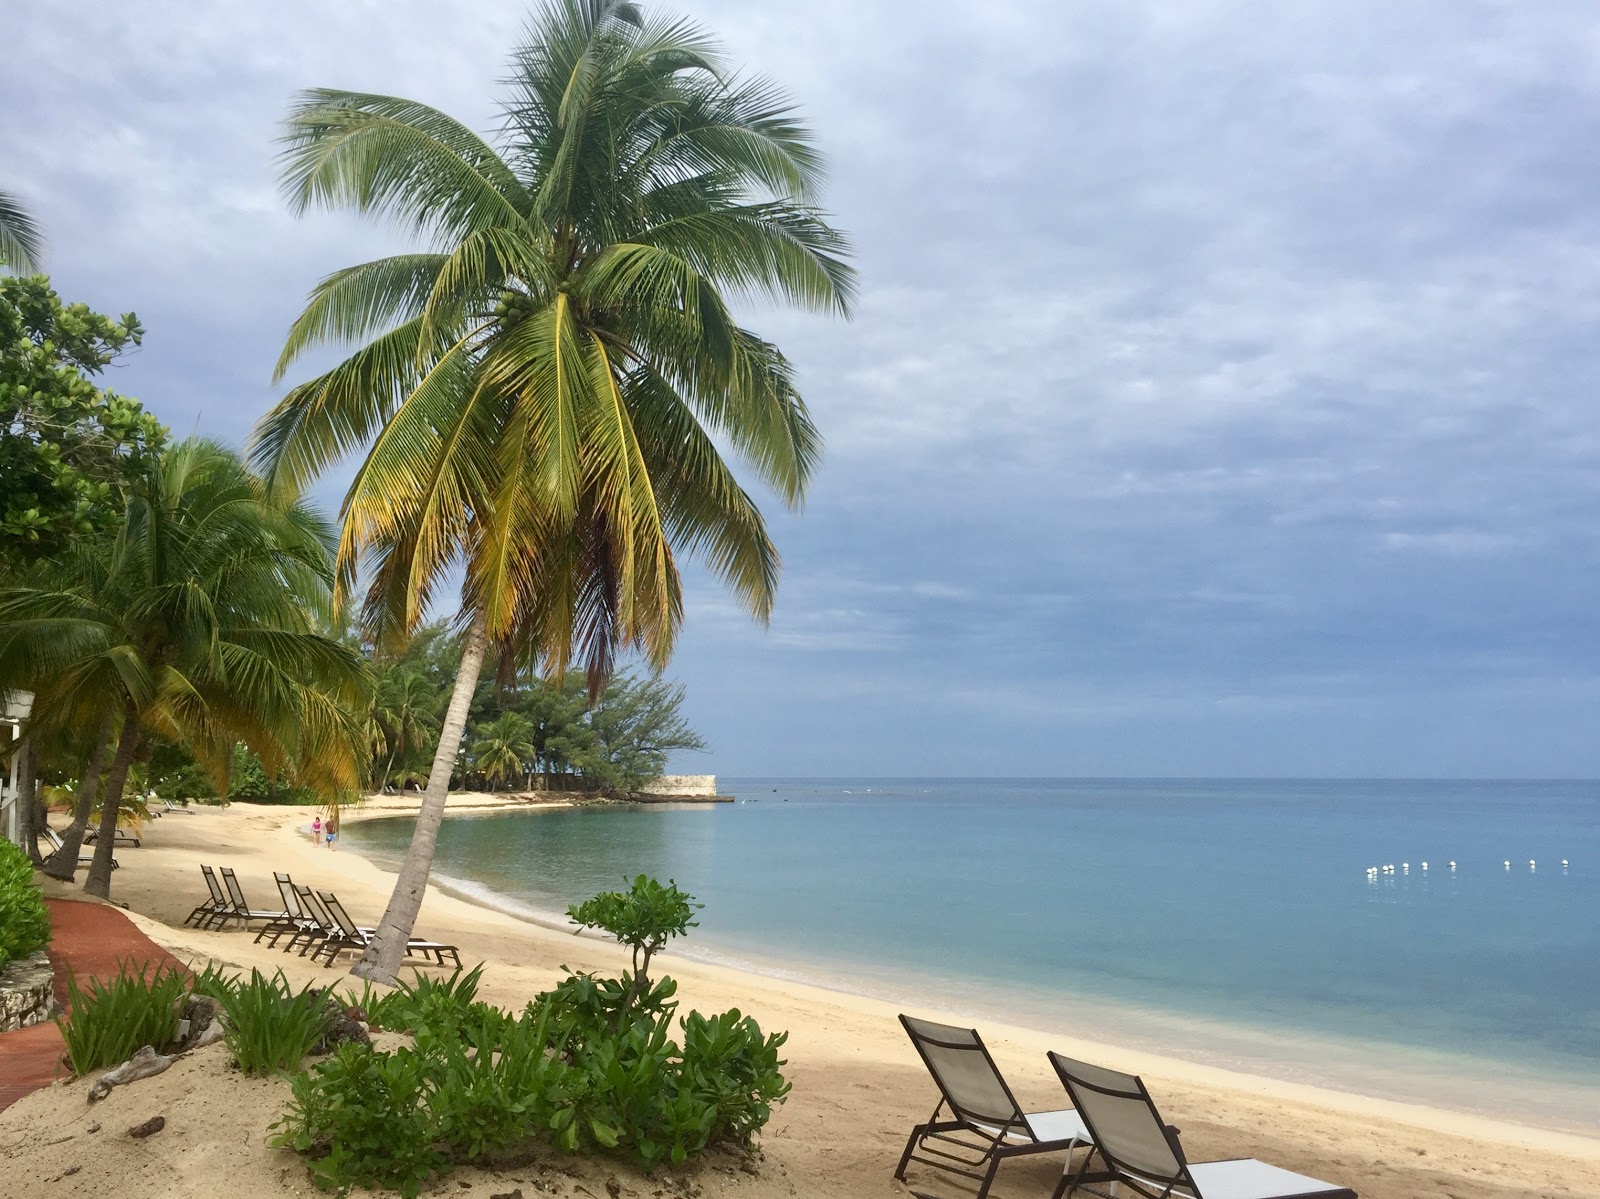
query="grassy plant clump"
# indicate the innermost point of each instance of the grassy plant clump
(269, 1026)
(106, 1024)
(24, 921)
(591, 1066)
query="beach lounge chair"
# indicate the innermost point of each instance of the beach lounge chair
(1142, 1154)
(985, 1125)
(209, 907)
(121, 837)
(168, 806)
(296, 923)
(53, 840)
(349, 935)
(238, 909)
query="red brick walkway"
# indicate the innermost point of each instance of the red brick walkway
(89, 939)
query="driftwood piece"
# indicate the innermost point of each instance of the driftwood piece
(143, 1064)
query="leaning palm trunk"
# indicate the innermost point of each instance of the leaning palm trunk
(381, 961)
(99, 880)
(63, 864)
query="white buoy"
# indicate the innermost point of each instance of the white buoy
(1424, 865)
(1452, 865)
(1508, 863)
(1532, 865)
(1563, 863)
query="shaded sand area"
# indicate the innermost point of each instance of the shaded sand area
(858, 1087)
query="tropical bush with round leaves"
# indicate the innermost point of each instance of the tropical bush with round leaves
(24, 922)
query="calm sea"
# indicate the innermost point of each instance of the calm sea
(1232, 922)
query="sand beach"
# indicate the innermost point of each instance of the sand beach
(858, 1087)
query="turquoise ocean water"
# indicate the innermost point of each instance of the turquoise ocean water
(1230, 922)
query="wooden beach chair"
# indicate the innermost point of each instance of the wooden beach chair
(984, 1125)
(1139, 1152)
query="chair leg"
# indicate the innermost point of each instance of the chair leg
(988, 1176)
(917, 1134)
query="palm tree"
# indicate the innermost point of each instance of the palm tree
(503, 748)
(21, 241)
(404, 713)
(199, 623)
(542, 389)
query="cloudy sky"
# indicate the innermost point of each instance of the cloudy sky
(1222, 397)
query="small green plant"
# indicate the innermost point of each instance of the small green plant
(109, 1021)
(269, 1026)
(361, 1118)
(644, 918)
(732, 1067)
(214, 981)
(24, 920)
(429, 1002)
(589, 1067)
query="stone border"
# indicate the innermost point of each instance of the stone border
(26, 992)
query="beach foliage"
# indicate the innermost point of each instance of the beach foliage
(270, 1026)
(565, 1073)
(644, 918)
(113, 1018)
(24, 920)
(21, 240)
(200, 622)
(68, 447)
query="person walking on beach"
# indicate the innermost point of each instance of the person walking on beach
(316, 829)
(330, 830)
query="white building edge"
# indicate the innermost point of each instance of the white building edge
(15, 708)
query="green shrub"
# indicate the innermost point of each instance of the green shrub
(362, 1120)
(269, 1027)
(24, 921)
(109, 1021)
(590, 1067)
(732, 1067)
(644, 918)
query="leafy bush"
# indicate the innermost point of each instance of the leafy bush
(644, 918)
(269, 1027)
(107, 1023)
(362, 1119)
(590, 1066)
(24, 921)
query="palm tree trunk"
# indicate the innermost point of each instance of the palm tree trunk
(28, 801)
(99, 880)
(63, 864)
(381, 961)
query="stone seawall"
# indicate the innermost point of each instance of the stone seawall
(683, 786)
(25, 992)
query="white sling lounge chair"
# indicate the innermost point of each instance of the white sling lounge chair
(1140, 1153)
(984, 1125)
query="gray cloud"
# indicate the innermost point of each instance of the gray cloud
(1222, 397)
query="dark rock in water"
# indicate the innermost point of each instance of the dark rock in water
(342, 1026)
